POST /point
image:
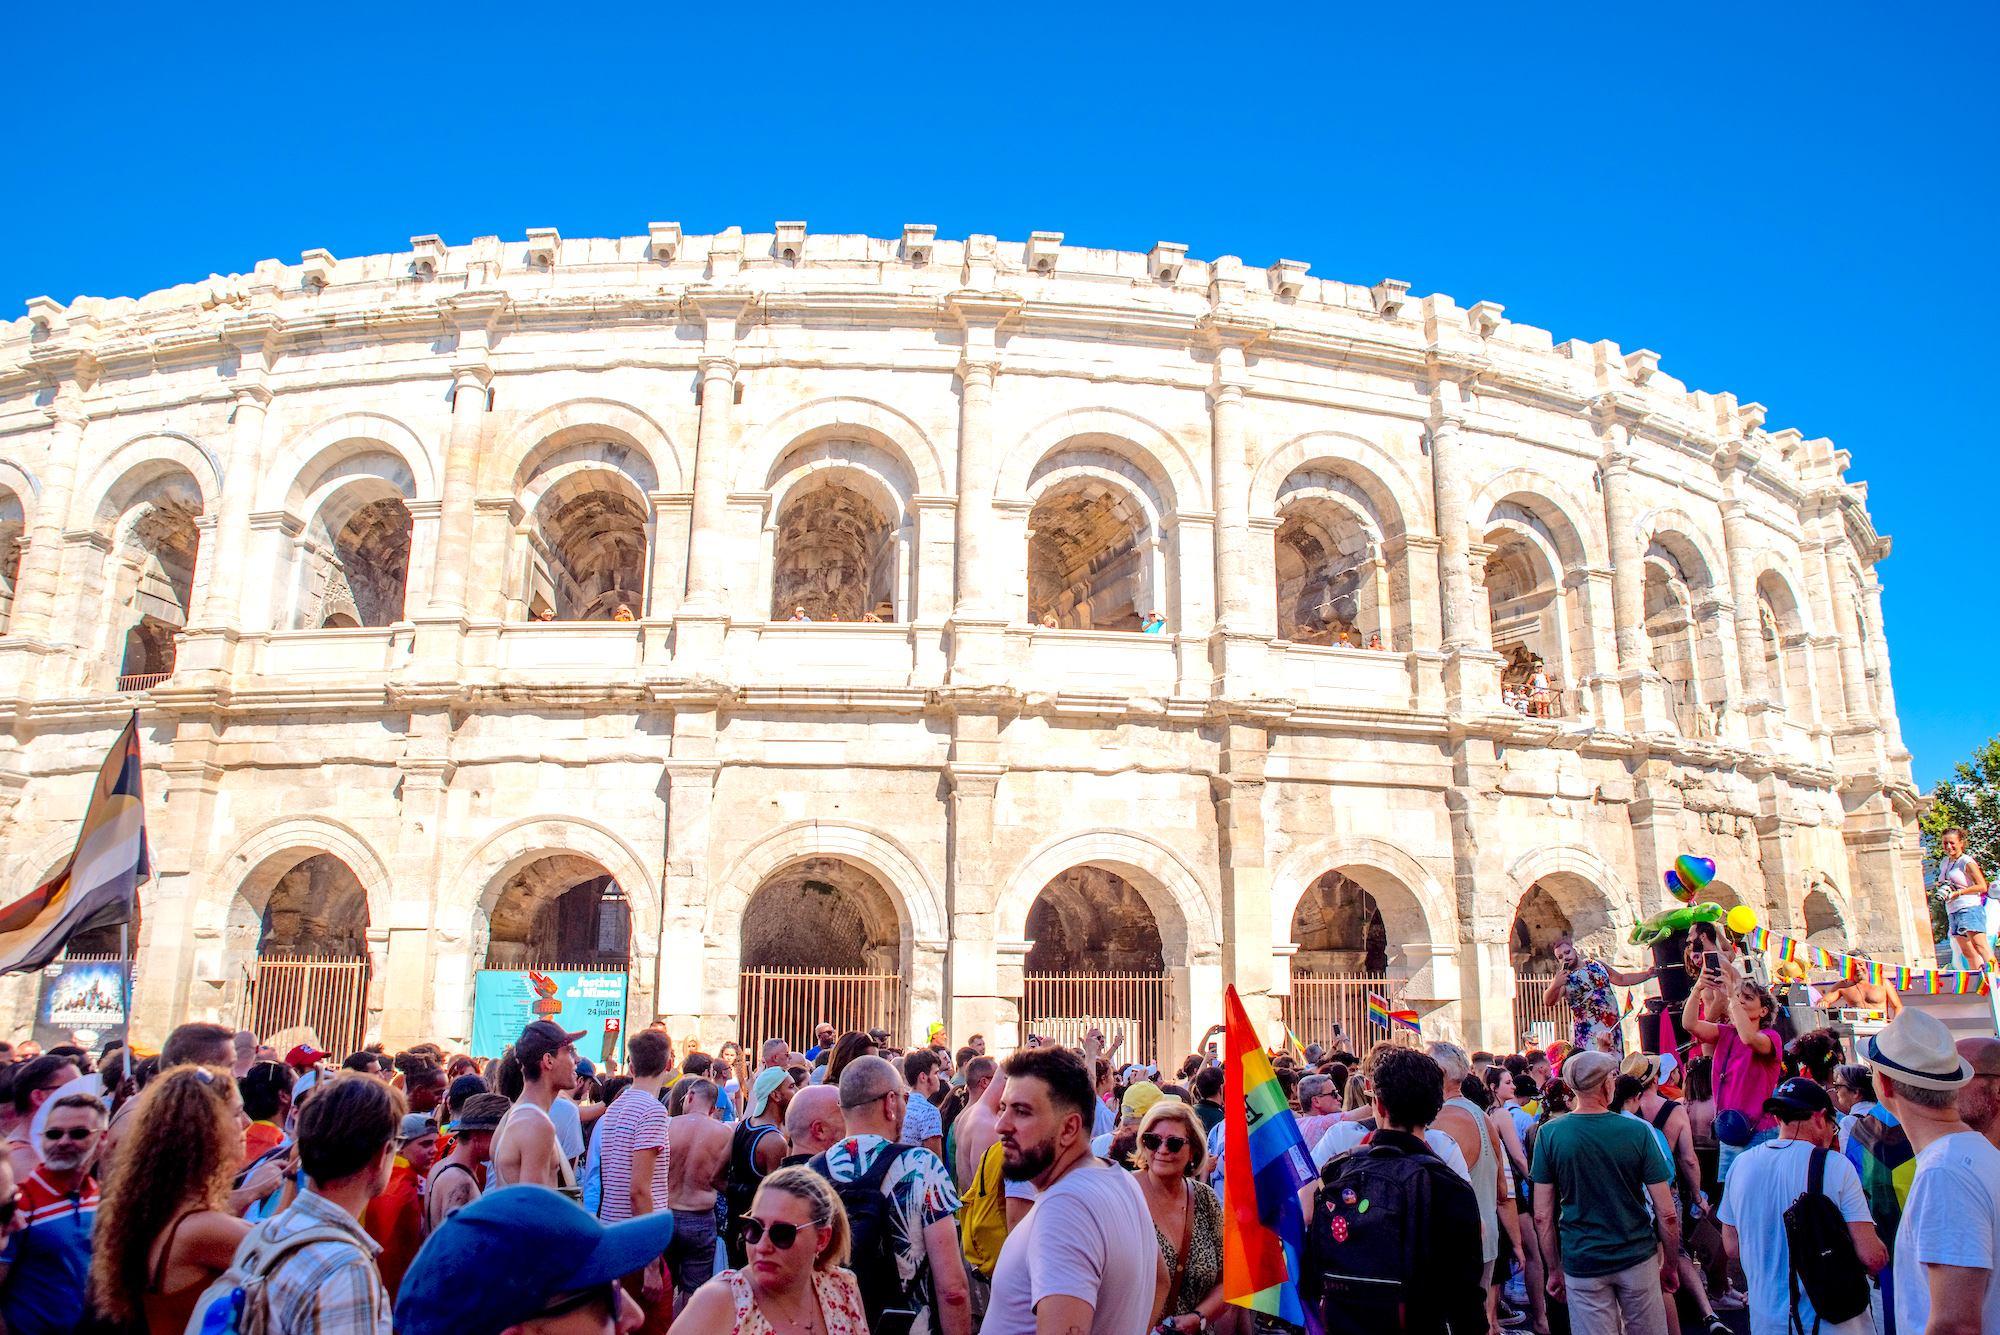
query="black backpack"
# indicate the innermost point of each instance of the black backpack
(872, 1241)
(1367, 1243)
(1823, 1260)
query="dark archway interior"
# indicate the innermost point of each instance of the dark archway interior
(821, 913)
(161, 555)
(1824, 927)
(372, 566)
(597, 554)
(560, 910)
(836, 558)
(1538, 924)
(1089, 920)
(1339, 930)
(318, 909)
(1322, 573)
(1084, 560)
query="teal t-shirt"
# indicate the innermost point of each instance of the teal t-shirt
(1600, 1165)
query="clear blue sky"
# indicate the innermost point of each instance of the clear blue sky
(1794, 207)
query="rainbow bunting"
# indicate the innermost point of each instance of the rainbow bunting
(1928, 982)
(1264, 1164)
(1378, 1010)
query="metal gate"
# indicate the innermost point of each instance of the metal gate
(1063, 1007)
(1536, 1024)
(1334, 1012)
(790, 1004)
(329, 996)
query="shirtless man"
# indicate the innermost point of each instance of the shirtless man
(525, 1149)
(698, 1145)
(1858, 993)
(454, 1180)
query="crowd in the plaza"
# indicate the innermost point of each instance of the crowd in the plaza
(220, 1186)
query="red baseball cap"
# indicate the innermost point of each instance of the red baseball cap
(305, 1054)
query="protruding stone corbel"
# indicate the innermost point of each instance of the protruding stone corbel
(1165, 259)
(666, 241)
(919, 242)
(544, 247)
(1389, 296)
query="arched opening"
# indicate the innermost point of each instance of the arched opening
(1681, 633)
(821, 941)
(1090, 545)
(1095, 955)
(1339, 931)
(1524, 602)
(1557, 907)
(560, 910)
(151, 572)
(588, 544)
(13, 529)
(835, 558)
(1782, 634)
(363, 577)
(1327, 562)
(298, 933)
(1825, 927)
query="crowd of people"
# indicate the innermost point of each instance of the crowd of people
(860, 1189)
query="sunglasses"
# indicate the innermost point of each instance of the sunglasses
(565, 1303)
(782, 1235)
(1153, 1140)
(74, 1133)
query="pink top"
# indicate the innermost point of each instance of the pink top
(1744, 1077)
(839, 1304)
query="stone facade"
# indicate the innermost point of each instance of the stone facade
(330, 500)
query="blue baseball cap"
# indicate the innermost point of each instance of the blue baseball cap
(501, 1259)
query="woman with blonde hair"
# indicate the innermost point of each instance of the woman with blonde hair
(1187, 1217)
(164, 1230)
(796, 1235)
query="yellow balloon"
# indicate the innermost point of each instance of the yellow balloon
(1741, 919)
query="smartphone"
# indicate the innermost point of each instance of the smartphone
(1712, 963)
(896, 1321)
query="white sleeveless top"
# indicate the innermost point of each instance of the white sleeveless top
(565, 1181)
(1485, 1180)
(1954, 874)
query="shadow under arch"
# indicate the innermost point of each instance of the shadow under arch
(1156, 452)
(825, 422)
(582, 422)
(1420, 923)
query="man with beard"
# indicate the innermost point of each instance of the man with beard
(1084, 1258)
(1979, 1097)
(45, 1269)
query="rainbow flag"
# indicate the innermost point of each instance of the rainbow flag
(1264, 1163)
(97, 886)
(1408, 1020)
(1378, 1010)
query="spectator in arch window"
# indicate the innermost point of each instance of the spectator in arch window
(546, 614)
(624, 613)
(1375, 641)
(799, 614)
(1154, 624)
(1049, 621)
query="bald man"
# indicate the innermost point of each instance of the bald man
(813, 1122)
(1979, 1097)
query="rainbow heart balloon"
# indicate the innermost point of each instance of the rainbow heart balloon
(1675, 888)
(1693, 872)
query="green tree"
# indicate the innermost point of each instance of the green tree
(1970, 800)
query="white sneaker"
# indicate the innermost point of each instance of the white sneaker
(1729, 1300)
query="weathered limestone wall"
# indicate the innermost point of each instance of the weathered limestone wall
(331, 500)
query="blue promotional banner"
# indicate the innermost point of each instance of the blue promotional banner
(504, 1001)
(82, 1003)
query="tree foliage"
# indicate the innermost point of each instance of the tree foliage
(1970, 799)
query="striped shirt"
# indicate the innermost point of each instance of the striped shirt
(635, 1121)
(48, 1262)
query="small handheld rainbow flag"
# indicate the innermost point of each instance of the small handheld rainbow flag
(1378, 1010)
(1408, 1020)
(1264, 1163)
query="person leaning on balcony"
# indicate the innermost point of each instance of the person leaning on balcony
(1048, 621)
(799, 614)
(624, 613)
(1154, 624)
(1375, 642)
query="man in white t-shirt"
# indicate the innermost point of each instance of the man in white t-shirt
(1084, 1258)
(922, 1125)
(1948, 1242)
(1764, 1182)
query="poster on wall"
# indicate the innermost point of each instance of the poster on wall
(82, 1003)
(505, 1000)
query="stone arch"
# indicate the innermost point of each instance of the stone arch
(237, 895)
(586, 521)
(840, 529)
(143, 583)
(1156, 452)
(1588, 890)
(1674, 530)
(317, 455)
(842, 418)
(1094, 533)
(919, 905)
(470, 892)
(1825, 916)
(1396, 501)
(1529, 493)
(582, 421)
(16, 516)
(129, 468)
(1184, 909)
(1415, 907)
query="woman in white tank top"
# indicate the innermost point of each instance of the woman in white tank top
(1963, 885)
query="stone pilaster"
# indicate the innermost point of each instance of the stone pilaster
(1885, 690)
(1642, 690)
(702, 619)
(41, 565)
(1238, 654)
(687, 988)
(974, 1002)
(1740, 537)
(977, 619)
(476, 313)
(1238, 789)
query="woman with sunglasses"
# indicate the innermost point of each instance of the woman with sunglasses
(796, 1235)
(1187, 1217)
(164, 1228)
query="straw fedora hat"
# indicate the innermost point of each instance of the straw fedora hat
(1917, 1049)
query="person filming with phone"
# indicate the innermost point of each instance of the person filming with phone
(1749, 1056)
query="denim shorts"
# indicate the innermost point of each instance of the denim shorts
(691, 1254)
(1971, 918)
(1729, 1152)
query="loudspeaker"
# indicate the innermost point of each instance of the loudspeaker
(1672, 980)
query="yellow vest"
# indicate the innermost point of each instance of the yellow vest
(982, 1214)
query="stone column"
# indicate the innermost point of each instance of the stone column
(424, 518)
(1885, 691)
(1238, 790)
(972, 970)
(41, 565)
(452, 565)
(1853, 673)
(1459, 621)
(1642, 690)
(224, 605)
(708, 536)
(682, 992)
(975, 489)
(1232, 491)
(1739, 536)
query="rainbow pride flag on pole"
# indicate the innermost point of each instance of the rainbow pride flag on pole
(1264, 1163)
(1378, 1010)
